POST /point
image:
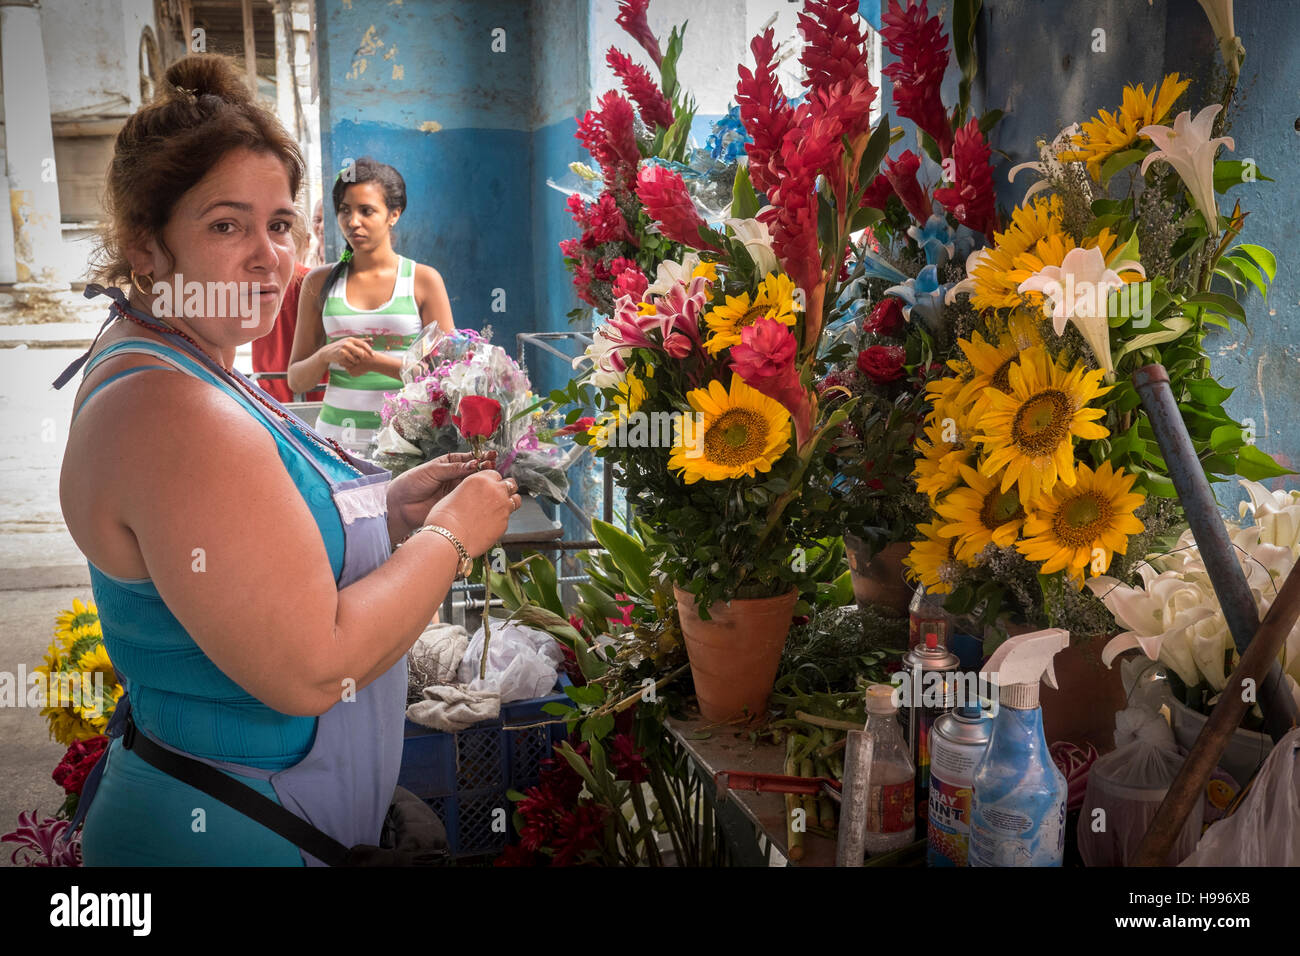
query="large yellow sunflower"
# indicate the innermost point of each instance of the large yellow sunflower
(96, 708)
(1030, 432)
(774, 299)
(978, 514)
(732, 434)
(1109, 133)
(1083, 526)
(1029, 224)
(991, 361)
(931, 560)
(632, 393)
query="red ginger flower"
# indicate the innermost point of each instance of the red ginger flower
(666, 201)
(631, 17)
(764, 110)
(971, 198)
(629, 280)
(579, 832)
(835, 51)
(654, 106)
(764, 360)
(629, 762)
(607, 222)
(608, 135)
(922, 50)
(901, 174)
(877, 194)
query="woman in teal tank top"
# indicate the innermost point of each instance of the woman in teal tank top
(357, 318)
(238, 600)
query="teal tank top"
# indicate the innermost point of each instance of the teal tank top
(141, 816)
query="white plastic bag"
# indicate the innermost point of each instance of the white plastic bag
(1126, 787)
(522, 662)
(1265, 830)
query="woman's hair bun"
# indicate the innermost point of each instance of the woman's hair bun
(198, 75)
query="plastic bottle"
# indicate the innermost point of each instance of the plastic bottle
(925, 615)
(1019, 797)
(891, 797)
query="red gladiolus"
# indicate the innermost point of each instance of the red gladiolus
(835, 50)
(922, 50)
(479, 417)
(608, 135)
(663, 193)
(77, 763)
(882, 363)
(631, 17)
(764, 110)
(653, 105)
(901, 174)
(971, 198)
(886, 318)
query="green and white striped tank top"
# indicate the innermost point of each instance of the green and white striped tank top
(350, 413)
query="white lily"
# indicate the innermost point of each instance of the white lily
(1219, 13)
(1048, 165)
(1157, 617)
(1189, 148)
(966, 285)
(672, 273)
(758, 243)
(603, 354)
(1076, 291)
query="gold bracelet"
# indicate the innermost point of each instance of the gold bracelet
(466, 564)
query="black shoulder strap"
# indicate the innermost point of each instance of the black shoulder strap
(238, 796)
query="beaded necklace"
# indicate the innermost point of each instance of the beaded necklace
(328, 444)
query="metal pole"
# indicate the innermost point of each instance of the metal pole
(1217, 550)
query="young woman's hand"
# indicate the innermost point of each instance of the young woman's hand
(477, 510)
(351, 353)
(413, 494)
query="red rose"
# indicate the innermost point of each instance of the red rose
(882, 363)
(581, 425)
(886, 318)
(479, 416)
(439, 417)
(77, 763)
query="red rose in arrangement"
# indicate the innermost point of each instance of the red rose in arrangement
(882, 363)
(77, 763)
(479, 417)
(886, 318)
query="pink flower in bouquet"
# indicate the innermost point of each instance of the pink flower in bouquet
(886, 318)
(77, 763)
(624, 609)
(971, 198)
(631, 17)
(882, 363)
(835, 49)
(39, 842)
(764, 360)
(577, 428)
(629, 328)
(640, 86)
(663, 193)
(582, 279)
(479, 417)
(609, 136)
(440, 416)
(607, 222)
(764, 110)
(680, 309)
(901, 174)
(922, 50)
(677, 345)
(569, 247)
(628, 279)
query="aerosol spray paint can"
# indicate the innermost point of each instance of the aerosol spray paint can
(957, 742)
(929, 691)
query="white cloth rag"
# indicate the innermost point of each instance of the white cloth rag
(523, 662)
(451, 707)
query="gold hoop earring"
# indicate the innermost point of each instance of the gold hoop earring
(135, 281)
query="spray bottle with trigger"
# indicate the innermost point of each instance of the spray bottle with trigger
(1018, 796)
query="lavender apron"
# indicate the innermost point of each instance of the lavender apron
(345, 784)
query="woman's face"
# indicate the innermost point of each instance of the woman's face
(318, 222)
(234, 255)
(363, 217)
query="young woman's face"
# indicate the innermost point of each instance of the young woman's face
(230, 235)
(364, 219)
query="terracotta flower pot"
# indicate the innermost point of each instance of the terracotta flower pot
(735, 655)
(878, 581)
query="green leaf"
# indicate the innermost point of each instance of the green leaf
(556, 709)
(1230, 172)
(543, 573)
(965, 14)
(1227, 438)
(668, 67)
(874, 154)
(592, 695)
(1157, 485)
(1265, 259)
(1223, 304)
(1208, 392)
(990, 120)
(1254, 465)
(1119, 161)
(627, 552)
(930, 146)
(1247, 270)
(744, 201)
(1173, 327)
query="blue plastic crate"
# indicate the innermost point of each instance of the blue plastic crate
(464, 776)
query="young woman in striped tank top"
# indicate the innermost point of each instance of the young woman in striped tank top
(357, 318)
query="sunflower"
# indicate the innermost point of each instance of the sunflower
(99, 706)
(931, 560)
(732, 433)
(991, 361)
(1082, 526)
(80, 616)
(1030, 431)
(979, 514)
(774, 299)
(938, 462)
(1030, 224)
(1109, 133)
(630, 395)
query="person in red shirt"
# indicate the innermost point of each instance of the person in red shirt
(271, 352)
